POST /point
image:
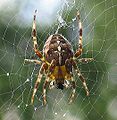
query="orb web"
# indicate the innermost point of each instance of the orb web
(17, 78)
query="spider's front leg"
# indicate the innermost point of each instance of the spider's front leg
(41, 71)
(79, 50)
(35, 45)
(34, 37)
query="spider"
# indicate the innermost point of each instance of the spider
(58, 62)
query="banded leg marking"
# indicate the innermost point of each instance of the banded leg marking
(79, 51)
(32, 61)
(44, 91)
(85, 60)
(83, 82)
(42, 69)
(73, 92)
(81, 77)
(36, 87)
(34, 33)
(34, 37)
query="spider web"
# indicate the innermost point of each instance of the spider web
(99, 20)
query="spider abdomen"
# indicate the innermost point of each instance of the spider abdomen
(57, 48)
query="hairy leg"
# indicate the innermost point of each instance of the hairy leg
(73, 86)
(79, 50)
(80, 76)
(32, 61)
(44, 91)
(38, 81)
(34, 37)
(85, 60)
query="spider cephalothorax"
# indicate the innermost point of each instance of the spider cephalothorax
(58, 61)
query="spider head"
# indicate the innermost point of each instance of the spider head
(60, 84)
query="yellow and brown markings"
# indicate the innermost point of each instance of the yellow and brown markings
(60, 73)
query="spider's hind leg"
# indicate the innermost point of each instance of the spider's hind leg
(44, 91)
(80, 77)
(73, 86)
(70, 82)
(83, 82)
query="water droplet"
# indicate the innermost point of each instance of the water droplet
(8, 74)
(35, 108)
(26, 105)
(18, 106)
(64, 115)
(74, 19)
(55, 113)
(61, 21)
(27, 80)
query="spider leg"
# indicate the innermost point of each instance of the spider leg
(34, 37)
(52, 84)
(68, 66)
(51, 69)
(44, 91)
(79, 50)
(38, 81)
(36, 86)
(81, 77)
(72, 84)
(32, 61)
(83, 82)
(73, 92)
(52, 66)
(85, 60)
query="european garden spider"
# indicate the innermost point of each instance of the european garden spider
(57, 62)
